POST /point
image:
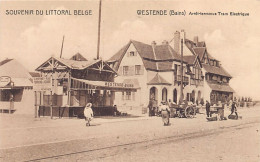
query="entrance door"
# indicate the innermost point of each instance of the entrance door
(175, 96)
(153, 94)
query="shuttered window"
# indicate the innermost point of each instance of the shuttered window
(137, 69)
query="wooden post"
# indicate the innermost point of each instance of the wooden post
(181, 97)
(41, 95)
(35, 104)
(51, 105)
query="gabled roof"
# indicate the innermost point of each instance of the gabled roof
(17, 72)
(216, 70)
(73, 64)
(201, 44)
(151, 57)
(158, 80)
(13, 69)
(144, 50)
(5, 61)
(163, 66)
(189, 59)
(200, 51)
(220, 87)
(78, 57)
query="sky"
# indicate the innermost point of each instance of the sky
(233, 40)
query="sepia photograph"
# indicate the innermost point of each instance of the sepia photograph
(122, 80)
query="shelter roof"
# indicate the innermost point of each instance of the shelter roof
(158, 80)
(220, 87)
(216, 70)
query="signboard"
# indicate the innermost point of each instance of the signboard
(4, 80)
(42, 84)
(118, 85)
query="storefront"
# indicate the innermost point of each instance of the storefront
(67, 85)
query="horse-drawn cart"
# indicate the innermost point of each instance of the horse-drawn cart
(183, 111)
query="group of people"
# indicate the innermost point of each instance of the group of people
(233, 109)
(163, 109)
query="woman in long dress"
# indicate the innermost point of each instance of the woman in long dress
(165, 111)
(88, 113)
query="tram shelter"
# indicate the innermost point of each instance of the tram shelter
(67, 85)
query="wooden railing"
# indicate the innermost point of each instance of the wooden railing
(196, 82)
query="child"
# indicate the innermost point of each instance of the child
(88, 113)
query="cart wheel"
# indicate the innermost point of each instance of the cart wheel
(189, 112)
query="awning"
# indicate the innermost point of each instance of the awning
(22, 82)
(3, 84)
(220, 87)
(17, 83)
(132, 81)
(82, 84)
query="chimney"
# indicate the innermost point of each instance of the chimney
(196, 40)
(177, 41)
(153, 44)
(165, 42)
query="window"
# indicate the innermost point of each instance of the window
(132, 53)
(137, 69)
(125, 70)
(217, 63)
(128, 95)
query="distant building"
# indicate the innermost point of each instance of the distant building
(216, 77)
(16, 88)
(156, 71)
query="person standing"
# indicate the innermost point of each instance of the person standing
(234, 109)
(165, 111)
(208, 109)
(88, 113)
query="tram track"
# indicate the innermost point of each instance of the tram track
(103, 152)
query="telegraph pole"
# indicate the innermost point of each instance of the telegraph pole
(62, 46)
(99, 22)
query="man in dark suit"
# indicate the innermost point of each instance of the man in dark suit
(208, 109)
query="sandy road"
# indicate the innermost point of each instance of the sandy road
(120, 140)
